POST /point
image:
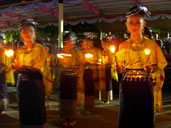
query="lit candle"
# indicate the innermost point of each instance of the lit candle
(88, 55)
(99, 61)
(112, 49)
(147, 51)
(9, 53)
(62, 55)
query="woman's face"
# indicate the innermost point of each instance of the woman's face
(28, 33)
(135, 24)
(86, 44)
(105, 46)
(69, 44)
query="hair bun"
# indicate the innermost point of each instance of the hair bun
(138, 9)
(27, 22)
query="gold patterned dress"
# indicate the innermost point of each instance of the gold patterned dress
(90, 59)
(68, 65)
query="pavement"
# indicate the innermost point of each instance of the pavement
(105, 116)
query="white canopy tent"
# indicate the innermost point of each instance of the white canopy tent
(99, 12)
(78, 11)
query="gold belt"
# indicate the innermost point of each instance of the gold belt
(135, 73)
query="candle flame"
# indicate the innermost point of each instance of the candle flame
(62, 55)
(88, 55)
(9, 53)
(147, 51)
(112, 49)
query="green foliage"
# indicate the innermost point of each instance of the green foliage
(12, 36)
(49, 31)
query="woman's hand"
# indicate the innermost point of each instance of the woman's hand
(120, 69)
(150, 68)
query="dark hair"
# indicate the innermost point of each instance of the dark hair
(28, 22)
(68, 36)
(147, 32)
(1, 37)
(138, 9)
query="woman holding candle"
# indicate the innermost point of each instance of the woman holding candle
(159, 77)
(107, 71)
(34, 79)
(90, 58)
(5, 66)
(68, 65)
(138, 57)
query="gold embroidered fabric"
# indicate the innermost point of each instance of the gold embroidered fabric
(137, 59)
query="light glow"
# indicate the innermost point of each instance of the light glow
(62, 55)
(112, 49)
(9, 53)
(147, 51)
(88, 55)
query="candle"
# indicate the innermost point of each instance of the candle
(9, 53)
(62, 55)
(88, 55)
(147, 51)
(112, 49)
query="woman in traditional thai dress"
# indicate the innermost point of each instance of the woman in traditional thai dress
(138, 57)
(34, 78)
(5, 66)
(68, 65)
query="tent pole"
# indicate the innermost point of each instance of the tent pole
(56, 82)
(61, 24)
